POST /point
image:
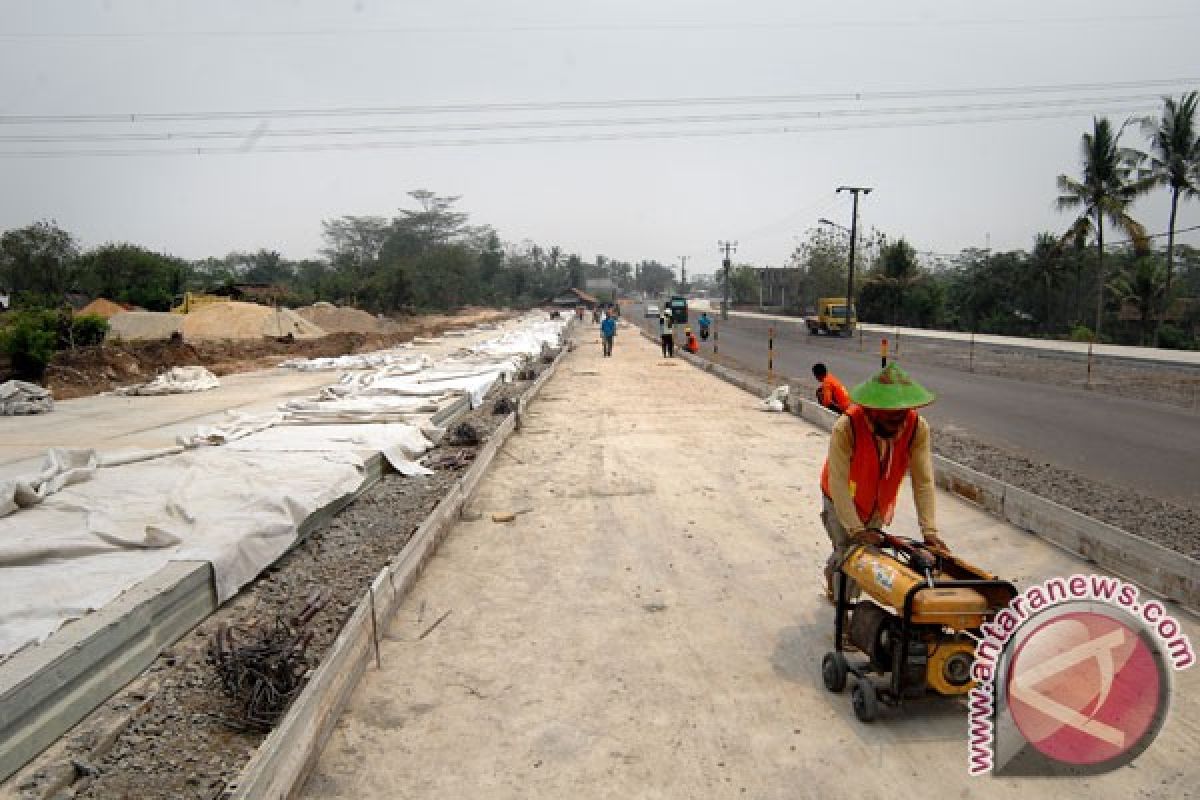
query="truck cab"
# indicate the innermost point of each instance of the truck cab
(679, 309)
(831, 317)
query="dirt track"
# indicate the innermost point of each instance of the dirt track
(650, 625)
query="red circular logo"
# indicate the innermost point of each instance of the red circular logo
(1084, 688)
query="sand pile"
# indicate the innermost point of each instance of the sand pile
(102, 307)
(246, 321)
(332, 319)
(133, 326)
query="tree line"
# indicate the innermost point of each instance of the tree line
(426, 257)
(1078, 283)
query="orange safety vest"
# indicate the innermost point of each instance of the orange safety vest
(692, 346)
(874, 486)
(833, 392)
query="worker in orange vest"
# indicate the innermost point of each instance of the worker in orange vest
(830, 391)
(874, 443)
(689, 341)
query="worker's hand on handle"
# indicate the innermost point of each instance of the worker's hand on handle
(870, 536)
(934, 542)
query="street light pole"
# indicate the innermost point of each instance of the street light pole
(850, 306)
(728, 247)
(683, 273)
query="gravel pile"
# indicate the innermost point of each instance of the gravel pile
(333, 319)
(235, 320)
(141, 326)
(1170, 525)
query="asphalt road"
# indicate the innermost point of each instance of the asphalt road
(1150, 447)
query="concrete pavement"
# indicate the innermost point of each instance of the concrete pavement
(651, 624)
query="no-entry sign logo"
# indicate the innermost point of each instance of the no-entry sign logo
(1073, 678)
(1085, 688)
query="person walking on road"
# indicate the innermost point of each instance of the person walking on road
(874, 443)
(830, 391)
(608, 331)
(704, 323)
(667, 334)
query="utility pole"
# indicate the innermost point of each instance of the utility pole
(683, 271)
(850, 307)
(728, 247)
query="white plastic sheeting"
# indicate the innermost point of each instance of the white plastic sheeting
(84, 545)
(19, 397)
(176, 380)
(60, 468)
(88, 525)
(99, 529)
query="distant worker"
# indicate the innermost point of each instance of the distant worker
(666, 333)
(877, 440)
(830, 391)
(608, 331)
(689, 343)
(704, 323)
(596, 314)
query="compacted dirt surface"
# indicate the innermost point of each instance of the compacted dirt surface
(173, 733)
(90, 370)
(653, 626)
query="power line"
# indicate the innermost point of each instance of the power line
(553, 138)
(363, 130)
(566, 105)
(603, 27)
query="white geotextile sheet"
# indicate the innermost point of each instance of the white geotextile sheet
(176, 380)
(475, 386)
(400, 356)
(84, 545)
(60, 468)
(399, 444)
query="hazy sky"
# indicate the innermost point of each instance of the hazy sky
(723, 169)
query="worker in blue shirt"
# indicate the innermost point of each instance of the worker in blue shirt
(608, 331)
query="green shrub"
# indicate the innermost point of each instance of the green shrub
(1173, 337)
(88, 329)
(29, 341)
(1081, 333)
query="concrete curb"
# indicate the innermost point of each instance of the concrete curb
(286, 757)
(1172, 575)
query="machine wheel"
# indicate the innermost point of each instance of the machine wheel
(834, 671)
(866, 704)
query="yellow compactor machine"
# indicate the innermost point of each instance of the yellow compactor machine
(916, 625)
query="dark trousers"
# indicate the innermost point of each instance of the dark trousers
(607, 342)
(668, 344)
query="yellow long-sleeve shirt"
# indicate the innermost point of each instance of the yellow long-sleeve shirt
(920, 467)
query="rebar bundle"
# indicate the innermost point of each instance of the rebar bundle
(264, 668)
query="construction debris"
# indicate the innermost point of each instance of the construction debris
(451, 461)
(464, 434)
(19, 397)
(176, 380)
(264, 673)
(504, 405)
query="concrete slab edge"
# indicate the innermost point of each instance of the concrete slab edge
(1163, 571)
(47, 689)
(286, 757)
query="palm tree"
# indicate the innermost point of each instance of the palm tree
(1175, 162)
(1142, 286)
(1046, 261)
(1111, 181)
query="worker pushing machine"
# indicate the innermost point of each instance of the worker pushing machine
(830, 392)
(874, 443)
